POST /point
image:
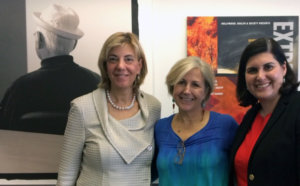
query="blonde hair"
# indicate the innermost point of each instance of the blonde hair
(183, 66)
(116, 40)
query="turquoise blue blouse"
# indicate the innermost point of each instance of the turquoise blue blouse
(204, 155)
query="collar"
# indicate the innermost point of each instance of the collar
(118, 134)
(57, 61)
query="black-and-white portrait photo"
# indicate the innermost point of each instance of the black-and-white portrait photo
(48, 52)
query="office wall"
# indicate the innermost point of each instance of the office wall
(163, 31)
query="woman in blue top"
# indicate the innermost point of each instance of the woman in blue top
(193, 144)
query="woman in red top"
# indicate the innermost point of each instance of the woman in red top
(266, 149)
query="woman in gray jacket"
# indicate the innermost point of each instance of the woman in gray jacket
(109, 134)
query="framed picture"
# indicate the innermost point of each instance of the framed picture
(34, 154)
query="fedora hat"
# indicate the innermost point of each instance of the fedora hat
(59, 20)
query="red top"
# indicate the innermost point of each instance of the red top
(243, 153)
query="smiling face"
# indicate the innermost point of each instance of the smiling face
(264, 76)
(122, 67)
(189, 92)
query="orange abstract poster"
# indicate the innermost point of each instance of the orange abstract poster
(202, 39)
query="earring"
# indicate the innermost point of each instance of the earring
(137, 79)
(173, 105)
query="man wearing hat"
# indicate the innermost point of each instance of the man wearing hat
(40, 100)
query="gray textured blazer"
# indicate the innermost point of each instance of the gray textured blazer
(99, 150)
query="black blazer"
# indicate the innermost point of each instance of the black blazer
(275, 159)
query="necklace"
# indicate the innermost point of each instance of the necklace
(119, 107)
(181, 129)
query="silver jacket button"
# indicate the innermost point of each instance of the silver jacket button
(149, 148)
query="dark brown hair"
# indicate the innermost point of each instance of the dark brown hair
(258, 46)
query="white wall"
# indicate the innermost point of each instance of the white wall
(163, 31)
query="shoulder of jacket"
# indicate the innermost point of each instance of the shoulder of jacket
(297, 95)
(149, 98)
(86, 98)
